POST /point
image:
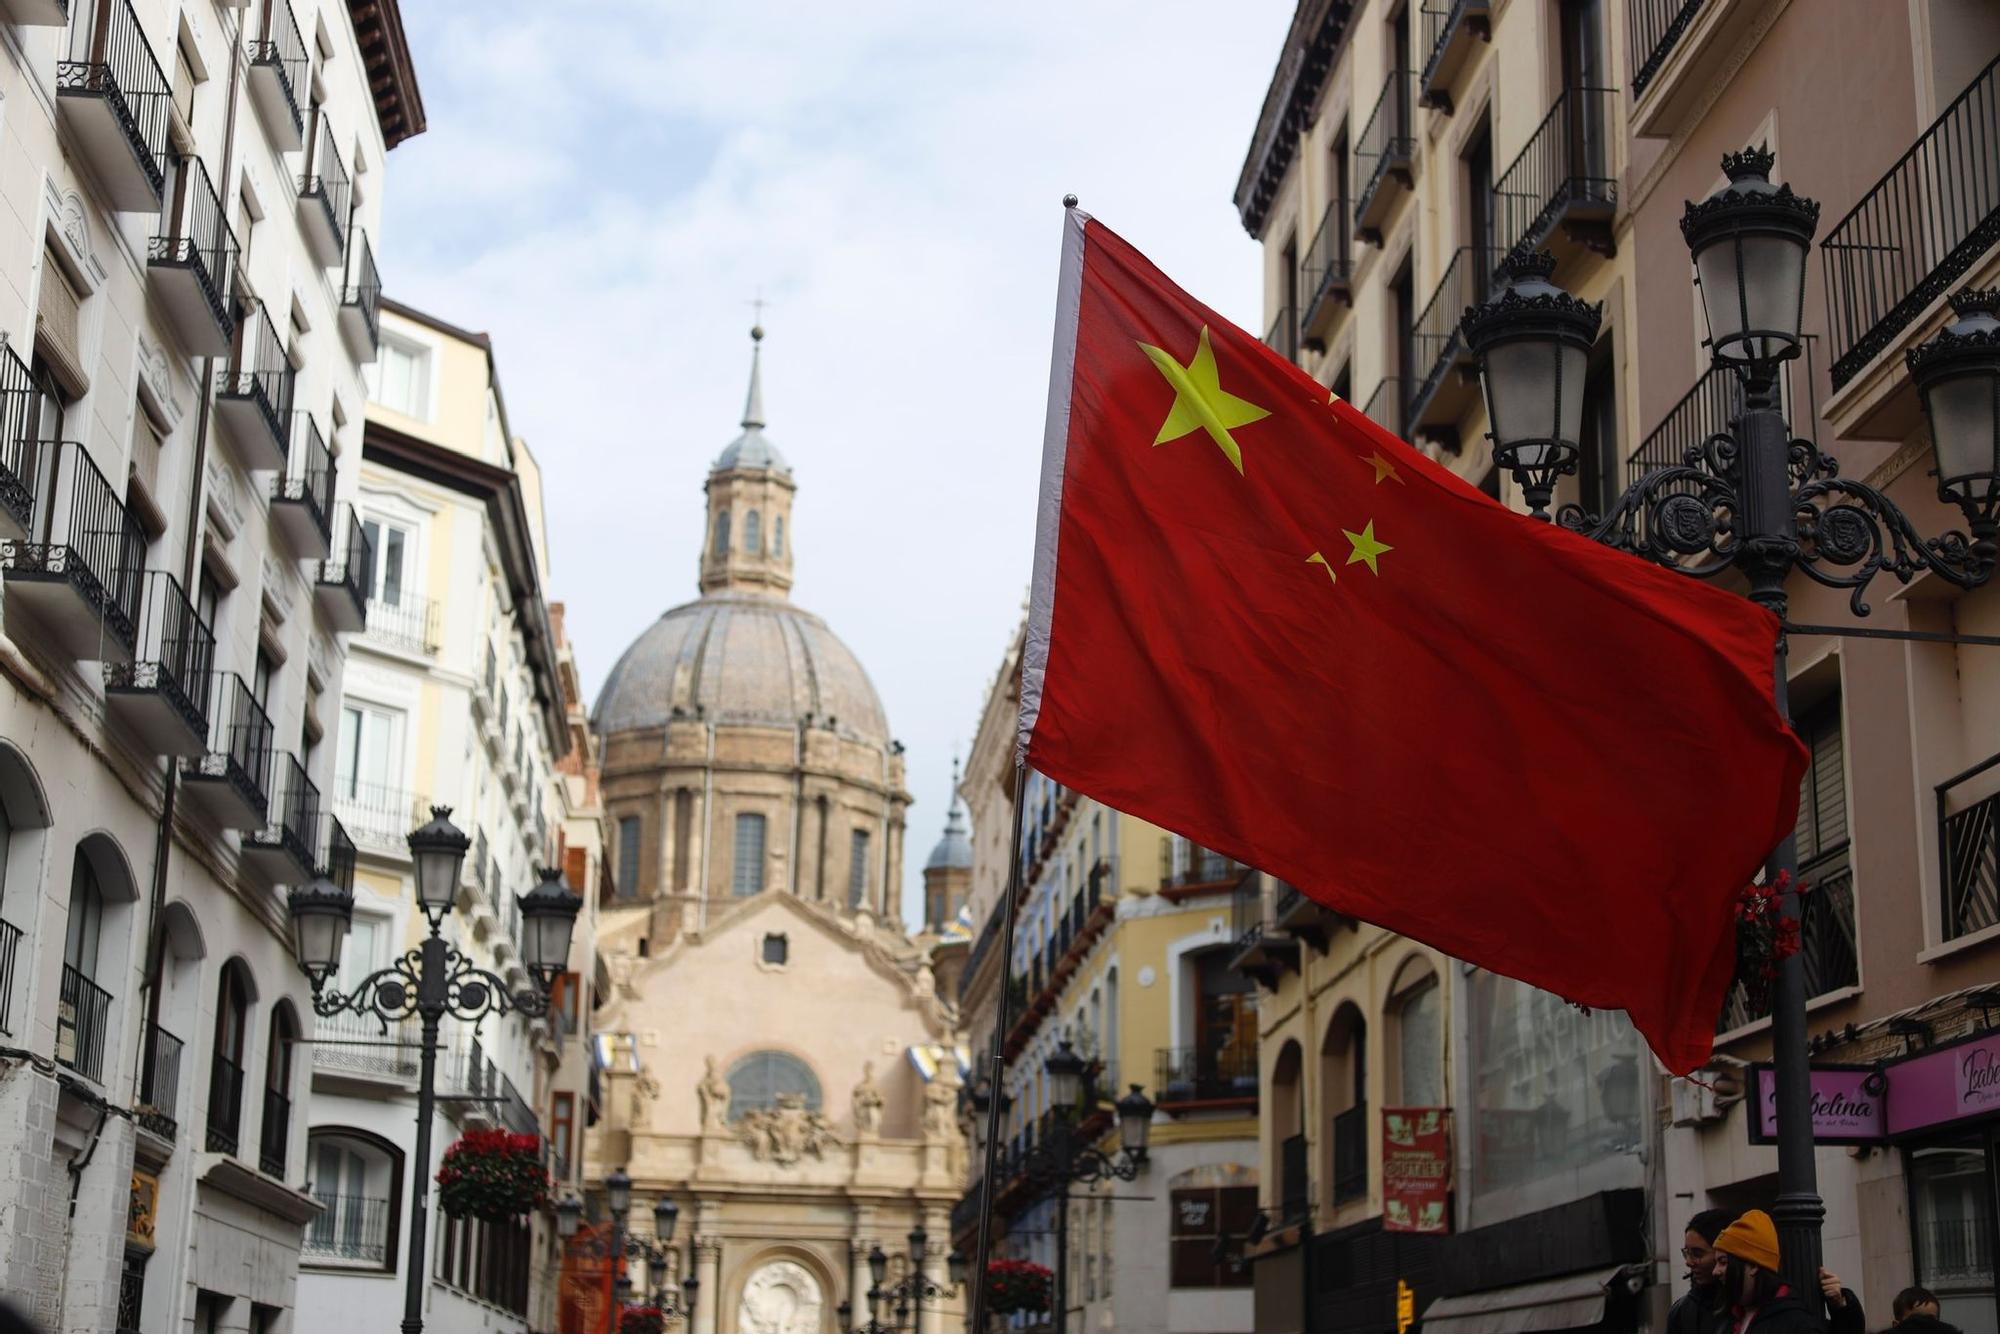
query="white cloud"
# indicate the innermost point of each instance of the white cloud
(604, 196)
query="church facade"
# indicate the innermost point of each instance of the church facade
(780, 1062)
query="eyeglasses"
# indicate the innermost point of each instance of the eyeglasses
(1691, 1254)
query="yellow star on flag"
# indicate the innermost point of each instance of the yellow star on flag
(1200, 403)
(1366, 548)
(1319, 558)
(1383, 468)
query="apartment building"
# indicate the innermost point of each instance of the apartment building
(187, 300)
(1582, 127)
(456, 694)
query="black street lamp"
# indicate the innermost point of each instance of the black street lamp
(656, 1252)
(1061, 1158)
(903, 1280)
(1754, 500)
(431, 981)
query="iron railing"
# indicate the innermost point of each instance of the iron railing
(260, 371)
(355, 568)
(199, 238)
(1283, 336)
(338, 862)
(1203, 1074)
(310, 474)
(982, 945)
(20, 453)
(360, 1045)
(88, 538)
(110, 58)
(1294, 1188)
(325, 179)
(1385, 140)
(240, 745)
(1565, 163)
(1388, 406)
(1435, 336)
(1443, 20)
(1350, 1154)
(274, 1135)
(1955, 1251)
(1969, 848)
(160, 1084)
(174, 656)
(378, 815)
(1703, 411)
(1918, 231)
(281, 48)
(352, 1228)
(82, 1014)
(1329, 261)
(1246, 910)
(1655, 28)
(225, 1105)
(404, 620)
(293, 824)
(10, 948)
(1200, 867)
(1826, 942)
(363, 286)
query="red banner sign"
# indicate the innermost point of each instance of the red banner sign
(1416, 1169)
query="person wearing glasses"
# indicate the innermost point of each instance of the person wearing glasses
(1700, 1309)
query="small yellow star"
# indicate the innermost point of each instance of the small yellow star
(1200, 403)
(1366, 548)
(1383, 468)
(1319, 558)
(1332, 398)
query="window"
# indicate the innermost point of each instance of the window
(260, 678)
(778, 535)
(1479, 206)
(1202, 1221)
(276, 1128)
(357, 1179)
(391, 545)
(761, 1078)
(246, 226)
(753, 533)
(777, 949)
(857, 868)
(184, 82)
(225, 1079)
(362, 954)
(1420, 1045)
(1600, 454)
(400, 377)
(562, 1131)
(59, 338)
(721, 533)
(86, 918)
(683, 832)
(1823, 790)
(369, 757)
(1952, 1216)
(746, 873)
(1225, 1036)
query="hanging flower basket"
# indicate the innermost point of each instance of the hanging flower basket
(1018, 1286)
(1765, 937)
(493, 1175)
(642, 1320)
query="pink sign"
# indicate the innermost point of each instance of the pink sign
(1843, 1110)
(1945, 1084)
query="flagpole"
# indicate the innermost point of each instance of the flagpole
(995, 1066)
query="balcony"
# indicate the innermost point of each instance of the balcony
(1386, 406)
(225, 1105)
(20, 453)
(1655, 27)
(1450, 378)
(1350, 1154)
(1283, 335)
(324, 196)
(1969, 849)
(114, 101)
(338, 856)
(1327, 274)
(1676, 47)
(350, 1230)
(1384, 158)
(10, 949)
(160, 1085)
(253, 395)
(358, 1046)
(1294, 1181)
(274, 1134)
(1191, 1077)
(278, 75)
(404, 620)
(1826, 936)
(1451, 30)
(83, 1012)
(342, 587)
(1303, 917)
(380, 817)
(81, 577)
(302, 495)
(163, 694)
(1562, 178)
(1261, 951)
(193, 262)
(283, 848)
(1198, 870)
(361, 300)
(1916, 233)
(231, 782)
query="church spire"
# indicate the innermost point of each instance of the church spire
(749, 545)
(753, 407)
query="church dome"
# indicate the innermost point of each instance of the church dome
(734, 658)
(954, 850)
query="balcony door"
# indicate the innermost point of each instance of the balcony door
(86, 918)
(1225, 1027)
(370, 754)
(1583, 68)
(1481, 233)
(392, 547)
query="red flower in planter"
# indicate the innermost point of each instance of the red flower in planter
(493, 1174)
(1018, 1285)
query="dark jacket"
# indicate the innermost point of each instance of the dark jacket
(1788, 1315)
(1848, 1319)
(1696, 1312)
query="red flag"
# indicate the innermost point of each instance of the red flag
(1263, 622)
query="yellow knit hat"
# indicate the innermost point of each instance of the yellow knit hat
(1752, 1237)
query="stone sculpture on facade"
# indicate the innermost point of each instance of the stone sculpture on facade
(714, 1094)
(780, 1298)
(868, 1102)
(784, 1133)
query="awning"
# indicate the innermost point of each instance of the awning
(1570, 1302)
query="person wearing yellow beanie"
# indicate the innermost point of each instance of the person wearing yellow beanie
(1760, 1303)
(1752, 1237)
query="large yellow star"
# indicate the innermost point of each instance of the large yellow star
(1366, 548)
(1200, 404)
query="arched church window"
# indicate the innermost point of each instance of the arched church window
(778, 535)
(628, 856)
(746, 873)
(722, 532)
(761, 1078)
(753, 533)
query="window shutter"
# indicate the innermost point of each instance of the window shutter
(58, 320)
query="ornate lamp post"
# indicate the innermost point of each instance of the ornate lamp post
(431, 981)
(1753, 499)
(656, 1252)
(902, 1279)
(1061, 1158)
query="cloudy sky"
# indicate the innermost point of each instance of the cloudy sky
(604, 195)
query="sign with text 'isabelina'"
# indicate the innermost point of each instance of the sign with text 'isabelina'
(1848, 1105)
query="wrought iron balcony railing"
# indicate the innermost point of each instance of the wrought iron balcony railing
(1327, 271)
(89, 542)
(225, 1105)
(1350, 1154)
(110, 65)
(160, 1084)
(199, 242)
(278, 51)
(292, 828)
(1826, 940)
(83, 1011)
(172, 664)
(377, 815)
(1199, 866)
(1283, 336)
(1449, 29)
(1388, 405)
(361, 295)
(308, 482)
(241, 745)
(404, 620)
(347, 576)
(20, 453)
(1562, 176)
(257, 387)
(1206, 1074)
(1918, 231)
(1969, 849)
(356, 1044)
(338, 861)
(350, 1229)
(1383, 151)
(1655, 28)
(325, 182)
(1435, 336)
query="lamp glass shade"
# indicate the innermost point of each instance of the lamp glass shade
(321, 912)
(656, 1269)
(548, 920)
(1135, 1120)
(437, 851)
(920, 1243)
(1965, 424)
(618, 1193)
(665, 1215)
(878, 1265)
(955, 1267)
(1752, 291)
(569, 1217)
(1065, 1072)
(1534, 396)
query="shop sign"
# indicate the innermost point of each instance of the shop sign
(1416, 1169)
(1945, 1084)
(1848, 1105)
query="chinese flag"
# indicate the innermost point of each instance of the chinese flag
(1263, 622)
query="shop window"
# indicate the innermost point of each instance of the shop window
(1951, 1219)
(1202, 1220)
